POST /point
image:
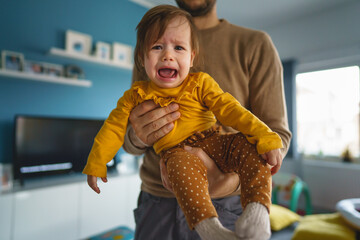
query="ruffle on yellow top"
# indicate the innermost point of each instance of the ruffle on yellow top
(147, 90)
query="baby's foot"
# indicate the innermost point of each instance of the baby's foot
(212, 229)
(254, 223)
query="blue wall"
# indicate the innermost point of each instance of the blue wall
(32, 28)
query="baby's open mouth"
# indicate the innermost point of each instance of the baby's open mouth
(167, 73)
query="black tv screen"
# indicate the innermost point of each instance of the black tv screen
(49, 145)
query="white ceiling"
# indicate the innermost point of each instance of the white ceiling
(263, 14)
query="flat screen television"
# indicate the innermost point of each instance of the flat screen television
(50, 145)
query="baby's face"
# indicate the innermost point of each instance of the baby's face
(170, 58)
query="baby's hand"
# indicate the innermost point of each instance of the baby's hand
(274, 158)
(92, 182)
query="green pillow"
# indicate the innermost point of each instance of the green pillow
(323, 226)
(281, 217)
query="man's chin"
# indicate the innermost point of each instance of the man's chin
(198, 11)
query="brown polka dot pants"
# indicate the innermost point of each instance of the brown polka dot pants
(232, 153)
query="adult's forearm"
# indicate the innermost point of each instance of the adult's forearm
(130, 145)
(285, 136)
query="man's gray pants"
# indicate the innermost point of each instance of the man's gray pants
(160, 218)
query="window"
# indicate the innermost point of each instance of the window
(328, 113)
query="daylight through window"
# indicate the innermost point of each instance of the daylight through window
(328, 113)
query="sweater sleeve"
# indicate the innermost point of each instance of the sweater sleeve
(128, 144)
(230, 113)
(266, 89)
(110, 137)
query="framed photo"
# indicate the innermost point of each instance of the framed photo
(103, 50)
(13, 61)
(78, 42)
(34, 67)
(55, 70)
(121, 53)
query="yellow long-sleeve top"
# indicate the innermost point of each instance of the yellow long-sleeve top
(199, 98)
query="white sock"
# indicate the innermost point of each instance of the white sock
(212, 229)
(254, 223)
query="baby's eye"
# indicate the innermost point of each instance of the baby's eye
(179, 48)
(156, 47)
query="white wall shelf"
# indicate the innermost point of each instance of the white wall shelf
(88, 58)
(45, 78)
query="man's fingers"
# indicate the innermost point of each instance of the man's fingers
(208, 162)
(150, 126)
(159, 123)
(275, 169)
(272, 161)
(196, 151)
(156, 135)
(143, 108)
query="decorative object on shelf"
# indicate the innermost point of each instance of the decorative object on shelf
(121, 53)
(32, 67)
(74, 72)
(78, 42)
(102, 50)
(13, 61)
(55, 70)
(44, 68)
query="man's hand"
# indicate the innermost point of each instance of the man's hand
(220, 184)
(273, 158)
(151, 122)
(92, 182)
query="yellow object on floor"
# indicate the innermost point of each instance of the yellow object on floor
(323, 226)
(281, 217)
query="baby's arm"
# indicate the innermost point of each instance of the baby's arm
(108, 140)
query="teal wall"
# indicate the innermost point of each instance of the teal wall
(32, 27)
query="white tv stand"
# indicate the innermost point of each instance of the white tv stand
(69, 210)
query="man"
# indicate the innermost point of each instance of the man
(245, 63)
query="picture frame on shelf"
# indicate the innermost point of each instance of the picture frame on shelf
(103, 51)
(121, 53)
(13, 61)
(77, 42)
(33, 67)
(55, 70)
